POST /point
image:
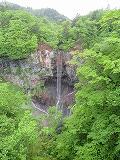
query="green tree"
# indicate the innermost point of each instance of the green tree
(66, 36)
(110, 23)
(17, 39)
(48, 32)
(18, 128)
(43, 148)
(85, 31)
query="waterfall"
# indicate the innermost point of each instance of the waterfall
(59, 76)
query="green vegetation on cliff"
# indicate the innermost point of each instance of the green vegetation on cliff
(16, 37)
(20, 33)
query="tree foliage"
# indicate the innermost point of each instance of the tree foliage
(17, 127)
(17, 41)
(20, 33)
(50, 14)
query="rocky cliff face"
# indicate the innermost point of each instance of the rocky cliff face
(27, 72)
(38, 75)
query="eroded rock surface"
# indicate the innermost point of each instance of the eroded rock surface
(38, 74)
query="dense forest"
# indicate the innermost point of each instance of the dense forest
(92, 130)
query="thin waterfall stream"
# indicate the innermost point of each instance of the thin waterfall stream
(59, 76)
(58, 90)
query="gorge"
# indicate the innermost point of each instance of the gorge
(46, 75)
